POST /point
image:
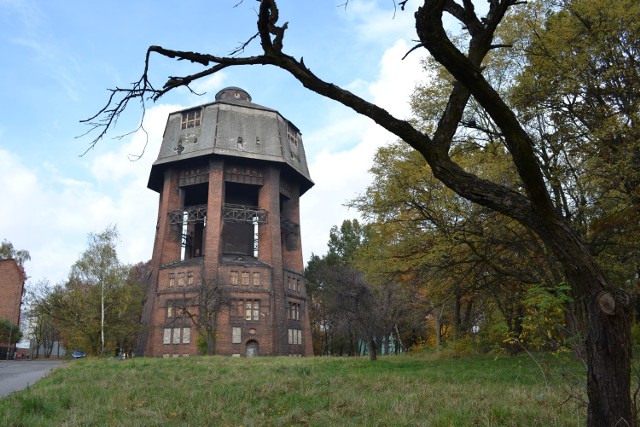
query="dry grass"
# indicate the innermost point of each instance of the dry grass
(407, 390)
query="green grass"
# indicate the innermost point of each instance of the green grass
(407, 390)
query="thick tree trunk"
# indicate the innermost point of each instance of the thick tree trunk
(608, 345)
(608, 351)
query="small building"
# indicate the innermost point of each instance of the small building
(12, 278)
(229, 177)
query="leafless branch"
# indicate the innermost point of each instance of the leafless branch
(418, 46)
(241, 48)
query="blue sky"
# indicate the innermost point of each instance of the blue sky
(58, 58)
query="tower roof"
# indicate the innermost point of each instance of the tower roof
(232, 126)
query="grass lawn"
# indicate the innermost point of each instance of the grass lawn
(406, 390)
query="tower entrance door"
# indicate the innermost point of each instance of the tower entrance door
(252, 349)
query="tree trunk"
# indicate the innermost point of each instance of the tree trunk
(372, 350)
(398, 346)
(457, 317)
(211, 343)
(102, 318)
(608, 351)
(608, 344)
(211, 333)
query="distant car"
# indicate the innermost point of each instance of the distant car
(77, 354)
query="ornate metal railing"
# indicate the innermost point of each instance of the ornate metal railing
(243, 213)
(190, 214)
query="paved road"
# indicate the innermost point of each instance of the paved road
(16, 375)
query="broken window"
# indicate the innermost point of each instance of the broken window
(193, 219)
(191, 119)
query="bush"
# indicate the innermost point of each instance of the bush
(8, 329)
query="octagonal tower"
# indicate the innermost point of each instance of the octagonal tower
(230, 175)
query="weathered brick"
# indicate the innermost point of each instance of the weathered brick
(245, 154)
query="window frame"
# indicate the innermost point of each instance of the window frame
(191, 119)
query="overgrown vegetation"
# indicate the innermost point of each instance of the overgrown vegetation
(406, 390)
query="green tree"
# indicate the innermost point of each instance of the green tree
(344, 241)
(99, 268)
(43, 329)
(348, 306)
(608, 340)
(7, 251)
(99, 307)
(465, 259)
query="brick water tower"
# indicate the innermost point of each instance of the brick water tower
(229, 175)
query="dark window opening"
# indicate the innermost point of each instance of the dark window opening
(194, 220)
(196, 194)
(240, 237)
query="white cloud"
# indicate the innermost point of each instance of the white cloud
(342, 174)
(50, 214)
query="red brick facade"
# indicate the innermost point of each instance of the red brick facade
(11, 288)
(228, 218)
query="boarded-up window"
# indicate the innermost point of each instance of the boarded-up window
(234, 277)
(245, 278)
(190, 278)
(166, 339)
(236, 335)
(186, 335)
(180, 279)
(176, 335)
(172, 280)
(256, 279)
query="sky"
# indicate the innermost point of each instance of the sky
(59, 58)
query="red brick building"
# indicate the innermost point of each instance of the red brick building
(12, 280)
(230, 175)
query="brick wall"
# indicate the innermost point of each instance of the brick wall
(11, 288)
